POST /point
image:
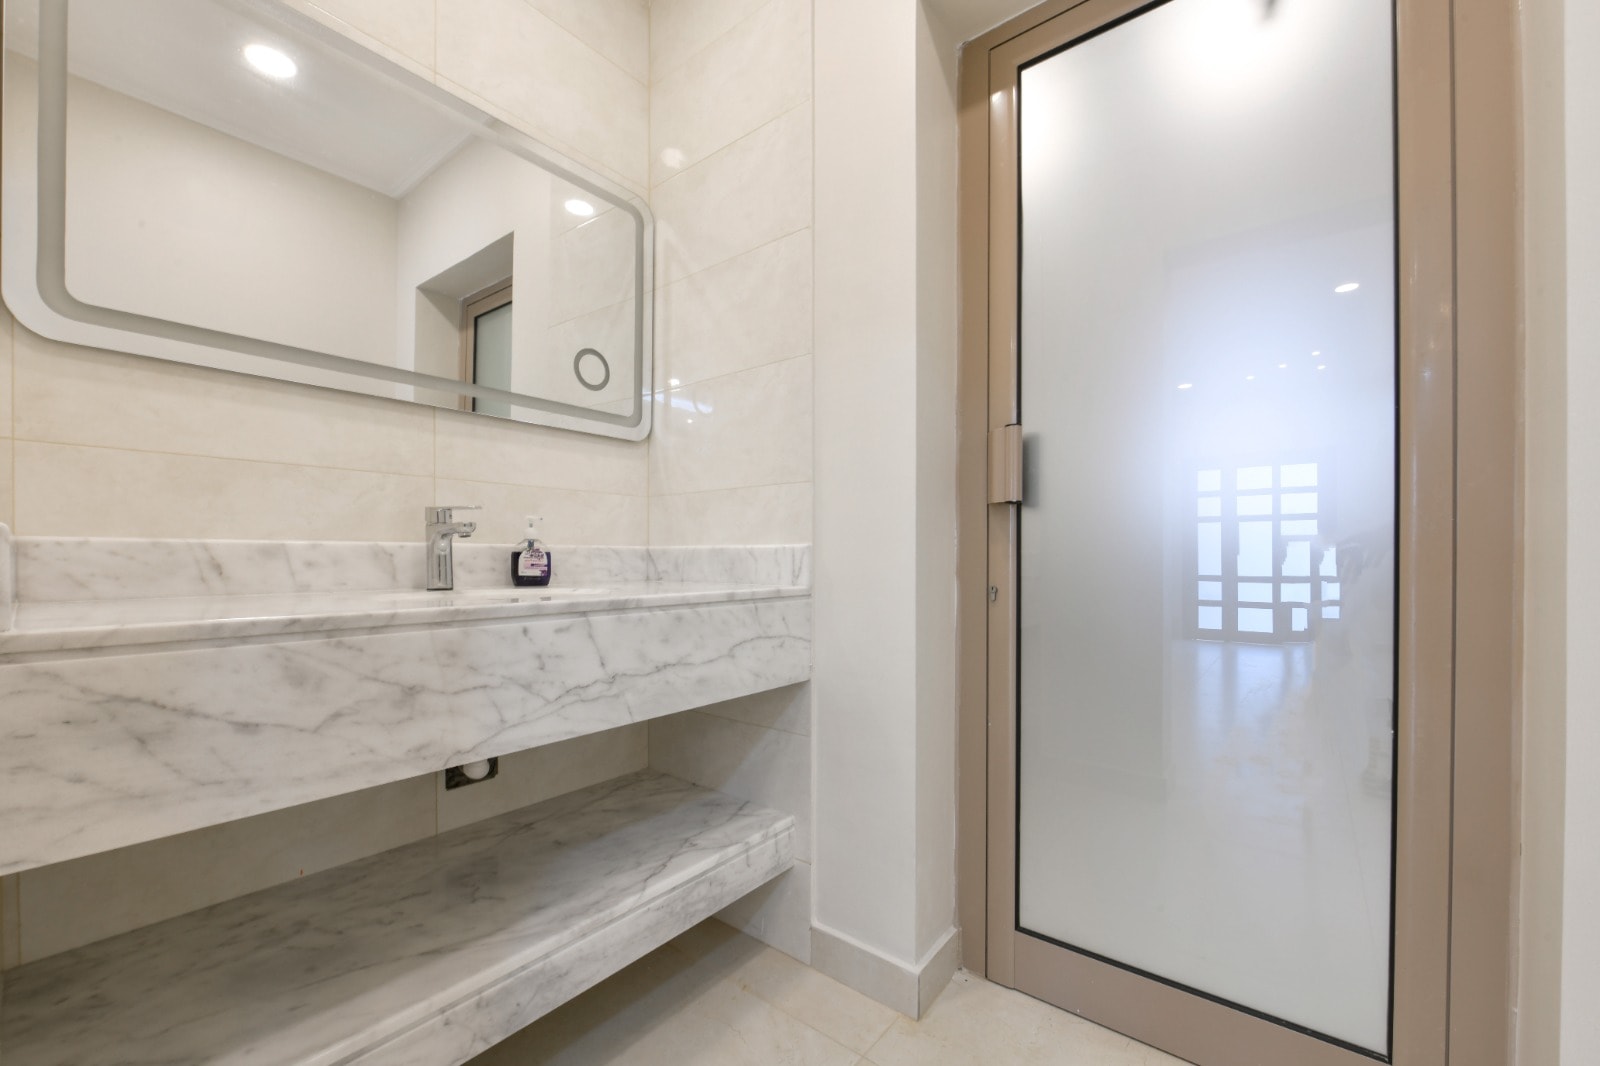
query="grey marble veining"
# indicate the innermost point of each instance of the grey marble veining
(105, 750)
(55, 569)
(425, 955)
(74, 627)
(152, 687)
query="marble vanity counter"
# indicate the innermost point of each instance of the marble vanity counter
(150, 688)
(81, 625)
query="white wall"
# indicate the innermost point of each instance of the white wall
(885, 419)
(1559, 971)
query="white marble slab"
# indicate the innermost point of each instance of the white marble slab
(54, 569)
(104, 749)
(425, 955)
(72, 627)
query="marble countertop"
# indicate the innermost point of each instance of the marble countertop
(122, 623)
(426, 954)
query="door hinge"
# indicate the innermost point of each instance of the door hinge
(1005, 464)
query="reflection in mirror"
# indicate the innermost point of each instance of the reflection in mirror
(223, 182)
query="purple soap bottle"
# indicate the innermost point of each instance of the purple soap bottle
(531, 564)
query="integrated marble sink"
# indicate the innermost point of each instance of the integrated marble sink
(261, 683)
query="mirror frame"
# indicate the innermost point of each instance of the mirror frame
(33, 270)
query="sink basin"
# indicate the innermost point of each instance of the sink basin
(426, 598)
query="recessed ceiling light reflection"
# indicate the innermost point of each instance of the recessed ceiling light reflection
(1187, 385)
(1249, 377)
(1323, 367)
(269, 61)
(673, 383)
(581, 208)
(1283, 366)
(1349, 286)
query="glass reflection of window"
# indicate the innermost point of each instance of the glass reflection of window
(1261, 574)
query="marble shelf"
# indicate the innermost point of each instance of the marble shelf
(420, 956)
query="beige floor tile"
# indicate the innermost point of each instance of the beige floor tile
(974, 1021)
(715, 997)
(814, 998)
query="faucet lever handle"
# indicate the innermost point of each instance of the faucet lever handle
(446, 513)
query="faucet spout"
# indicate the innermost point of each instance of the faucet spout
(441, 529)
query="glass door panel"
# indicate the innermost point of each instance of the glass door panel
(1206, 581)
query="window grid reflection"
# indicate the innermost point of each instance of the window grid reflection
(1262, 572)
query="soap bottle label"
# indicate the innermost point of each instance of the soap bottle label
(533, 562)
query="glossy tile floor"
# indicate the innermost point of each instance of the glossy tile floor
(715, 997)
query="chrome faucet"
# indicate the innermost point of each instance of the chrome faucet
(442, 528)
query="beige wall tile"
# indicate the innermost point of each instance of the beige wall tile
(78, 902)
(750, 75)
(745, 312)
(527, 777)
(491, 449)
(765, 766)
(569, 517)
(681, 28)
(7, 327)
(749, 428)
(560, 88)
(71, 395)
(8, 506)
(406, 26)
(65, 490)
(617, 29)
(763, 514)
(755, 190)
(787, 708)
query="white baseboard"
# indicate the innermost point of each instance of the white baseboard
(910, 990)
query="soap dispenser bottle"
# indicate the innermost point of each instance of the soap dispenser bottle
(531, 564)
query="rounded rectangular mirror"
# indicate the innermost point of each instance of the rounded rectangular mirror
(231, 184)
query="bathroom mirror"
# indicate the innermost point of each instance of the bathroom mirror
(231, 184)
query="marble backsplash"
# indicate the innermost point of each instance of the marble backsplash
(56, 569)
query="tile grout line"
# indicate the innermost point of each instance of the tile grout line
(685, 61)
(785, 113)
(570, 32)
(684, 384)
(736, 255)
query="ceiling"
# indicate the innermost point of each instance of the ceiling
(335, 113)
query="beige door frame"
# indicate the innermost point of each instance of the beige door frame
(1459, 371)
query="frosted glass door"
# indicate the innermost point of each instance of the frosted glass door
(1206, 619)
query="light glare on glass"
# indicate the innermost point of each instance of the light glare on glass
(1187, 385)
(269, 61)
(1349, 286)
(581, 208)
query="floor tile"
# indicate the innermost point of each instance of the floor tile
(715, 997)
(974, 1021)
